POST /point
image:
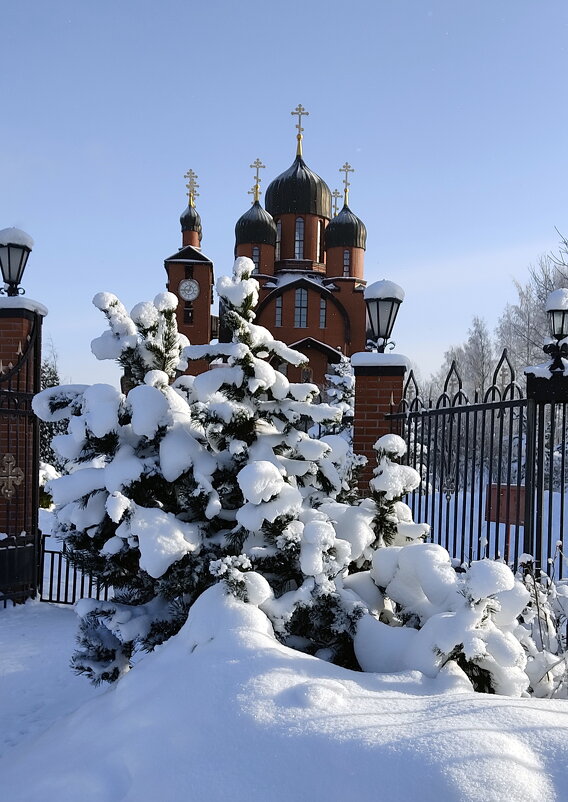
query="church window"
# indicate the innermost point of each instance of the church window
(323, 312)
(188, 271)
(256, 258)
(346, 263)
(301, 309)
(319, 242)
(188, 312)
(299, 239)
(278, 315)
(278, 240)
(307, 375)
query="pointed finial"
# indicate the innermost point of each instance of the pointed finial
(346, 169)
(191, 186)
(257, 165)
(336, 194)
(299, 112)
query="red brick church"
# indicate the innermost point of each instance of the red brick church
(309, 261)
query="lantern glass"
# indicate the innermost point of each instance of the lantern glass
(382, 314)
(558, 323)
(13, 259)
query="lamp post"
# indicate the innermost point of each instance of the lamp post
(557, 313)
(15, 247)
(383, 299)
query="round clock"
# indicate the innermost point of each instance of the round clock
(188, 289)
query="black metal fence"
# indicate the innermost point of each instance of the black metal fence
(494, 469)
(63, 583)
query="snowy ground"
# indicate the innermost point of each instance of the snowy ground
(223, 711)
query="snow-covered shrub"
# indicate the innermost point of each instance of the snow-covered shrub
(437, 615)
(542, 630)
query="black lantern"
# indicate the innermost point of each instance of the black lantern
(15, 247)
(382, 299)
(557, 313)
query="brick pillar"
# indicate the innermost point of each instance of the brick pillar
(20, 362)
(379, 382)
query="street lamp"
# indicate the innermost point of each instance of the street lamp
(15, 247)
(557, 313)
(382, 299)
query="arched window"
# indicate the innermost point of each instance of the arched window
(346, 263)
(278, 240)
(301, 309)
(299, 238)
(188, 313)
(319, 242)
(278, 315)
(256, 258)
(323, 312)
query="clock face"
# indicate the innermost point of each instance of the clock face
(188, 289)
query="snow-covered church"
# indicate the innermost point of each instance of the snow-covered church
(309, 261)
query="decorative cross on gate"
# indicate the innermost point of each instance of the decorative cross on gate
(346, 169)
(299, 112)
(10, 476)
(192, 187)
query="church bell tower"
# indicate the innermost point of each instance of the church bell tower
(191, 278)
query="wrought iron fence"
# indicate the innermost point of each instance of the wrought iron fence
(63, 583)
(494, 468)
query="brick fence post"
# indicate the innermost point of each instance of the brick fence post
(20, 365)
(379, 383)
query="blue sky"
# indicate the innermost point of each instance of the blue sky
(452, 113)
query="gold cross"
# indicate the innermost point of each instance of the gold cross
(336, 194)
(257, 165)
(10, 475)
(346, 169)
(192, 187)
(299, 112)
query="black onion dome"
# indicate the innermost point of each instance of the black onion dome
(255, 226)
(346, 231)
(298, 190)
(191, 221)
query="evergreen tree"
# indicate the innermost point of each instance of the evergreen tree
(49, 377)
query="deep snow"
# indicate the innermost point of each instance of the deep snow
(222, 711)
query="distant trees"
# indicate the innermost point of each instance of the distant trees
(521, 329)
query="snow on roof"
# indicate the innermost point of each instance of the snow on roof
(15, 236)
(289, 277)
(384, 289)
(372, 358)
(557, 300)
(21, 302)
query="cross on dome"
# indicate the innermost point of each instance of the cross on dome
(299, 112)
(257, 165)
(336, 194)
(346, 183)
(192, 187)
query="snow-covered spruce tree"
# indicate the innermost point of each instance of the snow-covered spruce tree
(131, 509)
(270, 478)
(340, 394)
(392, 520)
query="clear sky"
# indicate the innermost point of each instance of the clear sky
(452, 112)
